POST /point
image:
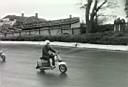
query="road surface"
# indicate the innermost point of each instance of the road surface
(86, 68)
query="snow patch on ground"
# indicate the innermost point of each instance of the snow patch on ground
(80, 45)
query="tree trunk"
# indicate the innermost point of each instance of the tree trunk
(91, 21)
(88, 25)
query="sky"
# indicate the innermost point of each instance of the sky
(48, 9)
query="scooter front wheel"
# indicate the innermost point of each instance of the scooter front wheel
(62, 68)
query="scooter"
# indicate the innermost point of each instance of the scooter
(43, 65)
(2, 55)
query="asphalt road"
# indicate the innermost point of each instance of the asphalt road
(86, 68)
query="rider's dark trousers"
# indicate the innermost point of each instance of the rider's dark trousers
(48, 59)
(53, 59)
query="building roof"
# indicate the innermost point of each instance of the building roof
(33, 22)
(25, 20)
(50, 23)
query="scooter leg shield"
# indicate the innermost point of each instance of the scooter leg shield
(39, 62)
(61, 63)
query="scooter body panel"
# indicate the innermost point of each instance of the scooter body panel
(43, 64)
(61, 63)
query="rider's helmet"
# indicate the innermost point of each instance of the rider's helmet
(47, 42)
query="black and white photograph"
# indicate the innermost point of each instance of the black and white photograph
(64, 43)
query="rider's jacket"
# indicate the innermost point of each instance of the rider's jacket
(45, 51)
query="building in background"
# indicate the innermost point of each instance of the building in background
(38, 26)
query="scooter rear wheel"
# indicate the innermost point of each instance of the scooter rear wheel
(42, 70)
(62, 68)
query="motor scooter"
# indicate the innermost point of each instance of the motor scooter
(42, 64)
(2, 56)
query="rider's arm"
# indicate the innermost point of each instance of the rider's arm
(52, 49)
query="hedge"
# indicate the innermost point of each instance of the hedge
(113, 38)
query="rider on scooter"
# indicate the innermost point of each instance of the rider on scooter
(46, 49)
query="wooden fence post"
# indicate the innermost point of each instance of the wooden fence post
(72, 31)
(12, 34)
(5, 34)
(61, 29)
(20, 33)
(49, 30)
(29, 32)
(39, 31)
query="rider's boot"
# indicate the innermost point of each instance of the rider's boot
(52, 66)
(37, 66)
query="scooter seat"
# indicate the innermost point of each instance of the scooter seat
(43, 58)
(44, 61)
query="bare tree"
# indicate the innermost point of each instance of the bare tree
(92, 7)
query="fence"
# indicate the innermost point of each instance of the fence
(52, 31)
